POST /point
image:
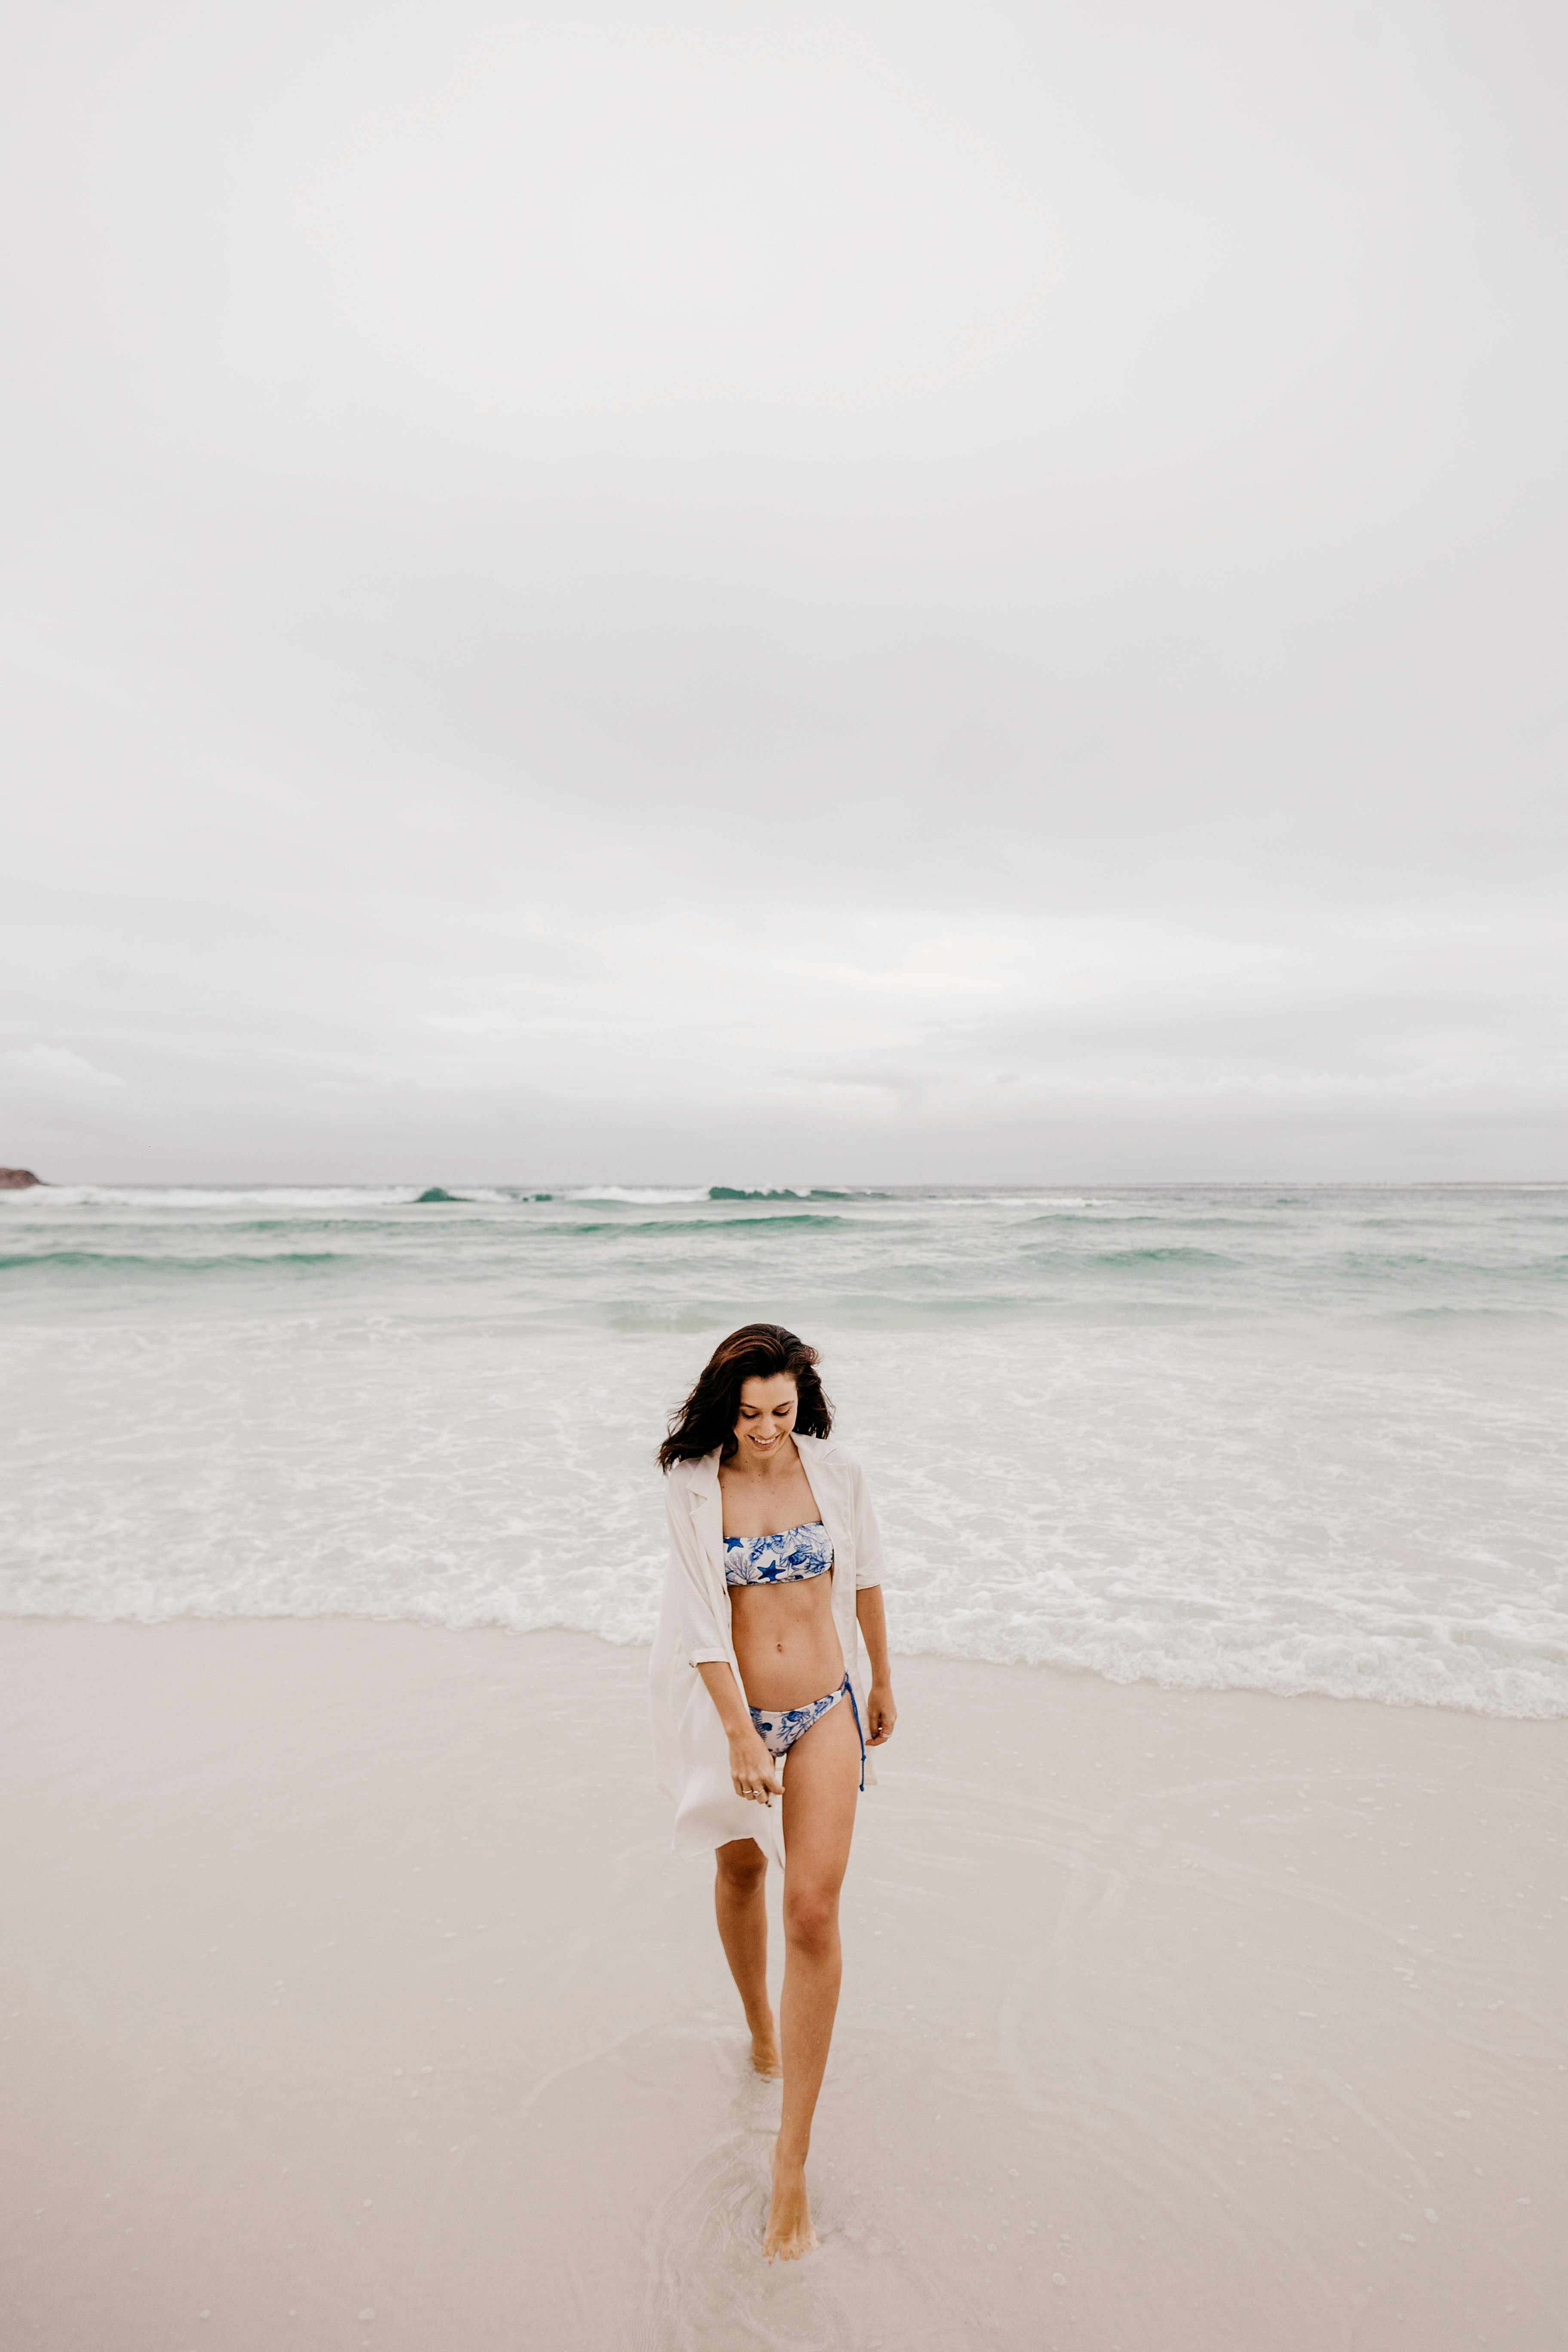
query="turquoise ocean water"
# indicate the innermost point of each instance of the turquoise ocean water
(1294, 1441)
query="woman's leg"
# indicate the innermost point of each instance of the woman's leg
(822, 1773)
(740, 1905)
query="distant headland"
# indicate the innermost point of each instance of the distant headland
(17, 1180)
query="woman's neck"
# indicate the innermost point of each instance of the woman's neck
(780, 1464)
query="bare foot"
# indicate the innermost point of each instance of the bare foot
(789, 2232)
(765, 2051)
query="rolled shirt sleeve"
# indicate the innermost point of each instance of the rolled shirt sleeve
(868, 1536)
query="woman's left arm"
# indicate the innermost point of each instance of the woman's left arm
(880, 1712)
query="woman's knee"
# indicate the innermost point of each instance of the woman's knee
(811, 1916)
(741, 1866)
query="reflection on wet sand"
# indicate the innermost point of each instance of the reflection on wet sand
(349, 1972)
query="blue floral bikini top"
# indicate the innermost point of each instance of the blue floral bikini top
(778, 1559)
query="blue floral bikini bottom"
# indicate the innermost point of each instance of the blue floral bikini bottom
(778, 1728)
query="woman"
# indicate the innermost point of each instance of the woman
(761, 1724)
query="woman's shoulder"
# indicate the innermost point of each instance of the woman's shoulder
(831, 1450)
(699, 1469)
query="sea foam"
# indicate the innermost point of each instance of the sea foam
(1308, 1447)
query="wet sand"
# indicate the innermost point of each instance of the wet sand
(351, 1997)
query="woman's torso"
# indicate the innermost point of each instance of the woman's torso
(786, 1644)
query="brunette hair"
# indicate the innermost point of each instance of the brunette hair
(757, 1351)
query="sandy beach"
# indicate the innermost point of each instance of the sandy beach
(352, 1998)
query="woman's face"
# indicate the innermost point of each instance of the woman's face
(767, 1416)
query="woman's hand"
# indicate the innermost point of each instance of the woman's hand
(880, 1713)
(753, 1769)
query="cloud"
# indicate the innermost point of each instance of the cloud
(845, 589)
(55, 1073)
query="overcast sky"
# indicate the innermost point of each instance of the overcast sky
(742, 593)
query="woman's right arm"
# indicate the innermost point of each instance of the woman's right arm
(752, 1769)
(688, 1585)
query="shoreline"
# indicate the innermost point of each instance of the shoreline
(496, 1629)
(350, 1971)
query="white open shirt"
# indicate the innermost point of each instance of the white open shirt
(691, 1750)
